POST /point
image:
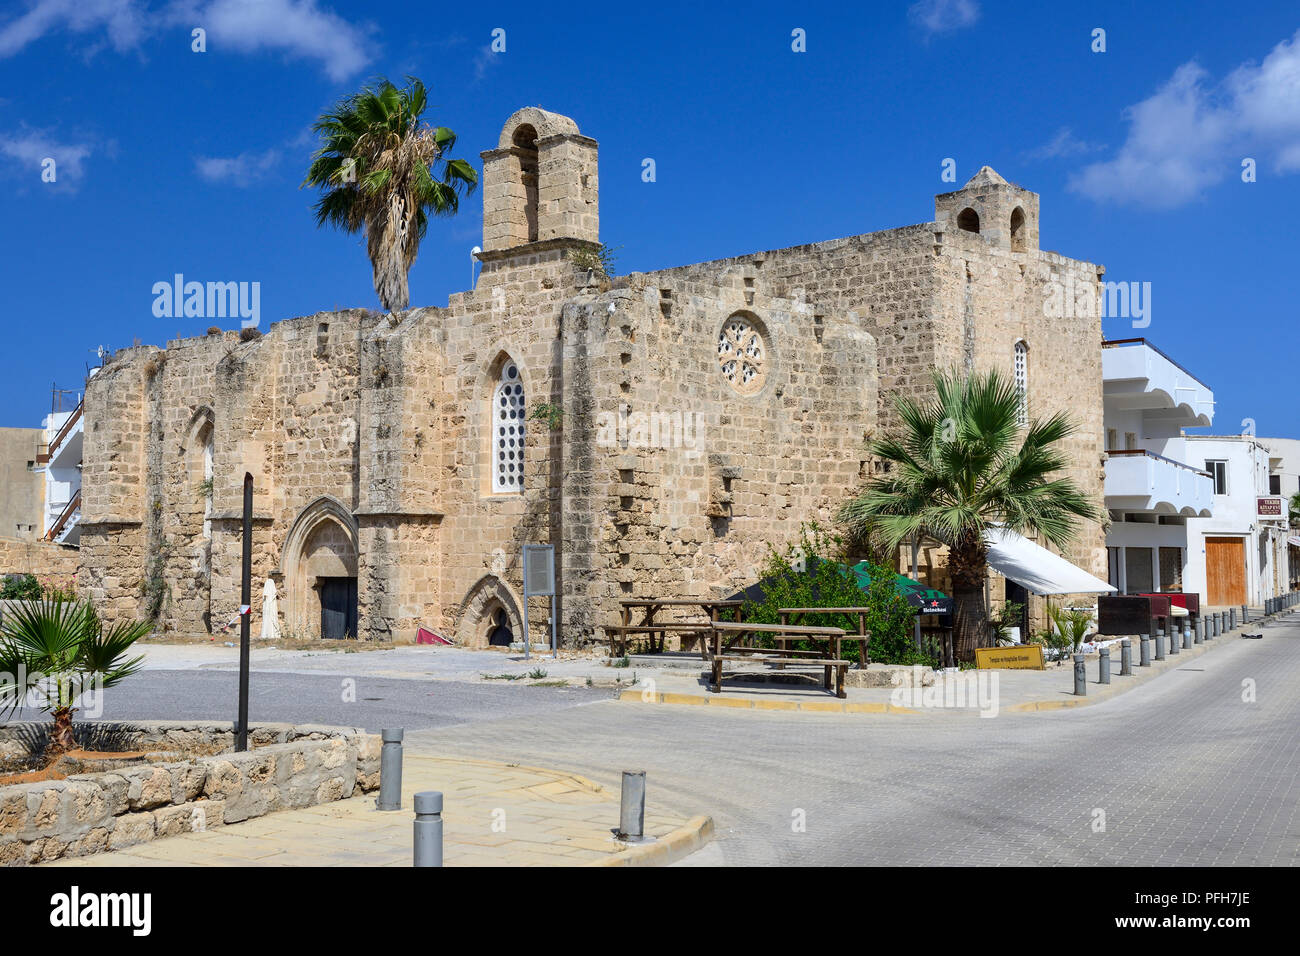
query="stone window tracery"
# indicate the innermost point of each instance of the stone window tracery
(1022, 382)
(742, 355)
(508, 432)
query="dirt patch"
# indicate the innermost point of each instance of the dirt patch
(35, 769)
(284, 644)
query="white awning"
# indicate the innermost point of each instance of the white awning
(1037, 569)
(1294, 541)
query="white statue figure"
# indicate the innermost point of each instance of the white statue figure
(270, 613)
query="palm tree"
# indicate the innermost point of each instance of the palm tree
(383, 170)
(960, 467)
(53, 651)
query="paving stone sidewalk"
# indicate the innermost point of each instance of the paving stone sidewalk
(494, 815)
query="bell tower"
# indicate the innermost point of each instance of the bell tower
(1001, 212)
(540, 183)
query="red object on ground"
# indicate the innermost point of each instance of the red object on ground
(425, 636)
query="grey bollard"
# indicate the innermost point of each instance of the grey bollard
(1174, 639)
(390, 770)
(1245, 614)
(1187, 636)
(1103, 666)
(1160, 643)
(1198, 631)
(1126, 658)
(428, 828)
(1080, 677)
(631, 811)
(1232, 619)
(1144, 652)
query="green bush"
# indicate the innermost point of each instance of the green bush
(20, 587)
(810, 574)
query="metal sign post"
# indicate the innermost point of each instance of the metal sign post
(539, 581)
(245, 612)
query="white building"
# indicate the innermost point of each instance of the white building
(1155, 483)
(62, 467)
(1243, 547)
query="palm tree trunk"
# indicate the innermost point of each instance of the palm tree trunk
(62, 740)
(969, 566)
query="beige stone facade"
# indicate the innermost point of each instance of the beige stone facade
(660, 430)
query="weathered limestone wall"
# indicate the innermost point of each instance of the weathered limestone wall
(676, 482)
(22, 490)
(41, 558)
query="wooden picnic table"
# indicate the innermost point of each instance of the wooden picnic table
(724, 636)
(650, 606)
(791, 615)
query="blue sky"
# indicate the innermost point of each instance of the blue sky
(174, 161)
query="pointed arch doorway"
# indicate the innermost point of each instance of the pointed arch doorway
(319, 569)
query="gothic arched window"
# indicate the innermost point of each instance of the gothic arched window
(1022, 382)
(508, 432)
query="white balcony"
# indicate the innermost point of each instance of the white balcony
(1141, 481)
(1137, 376)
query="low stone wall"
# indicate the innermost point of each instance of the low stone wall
(288, 767)
(41, 558)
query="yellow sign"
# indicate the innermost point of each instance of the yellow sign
(1017, 656)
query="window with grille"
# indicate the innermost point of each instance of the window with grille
(1137, 570)
(1022, 382)
(1171, 569)
(508, 432)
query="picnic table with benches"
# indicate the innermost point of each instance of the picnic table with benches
(791, 615)
(619, 634)
(725, 647)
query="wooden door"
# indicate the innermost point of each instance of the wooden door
(338, 608)
(1225, 571)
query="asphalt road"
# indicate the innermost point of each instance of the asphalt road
(1181, 771)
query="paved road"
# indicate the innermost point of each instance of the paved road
(1183, 769)
(377, 702)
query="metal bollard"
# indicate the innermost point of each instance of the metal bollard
(1103, 666)
(1232, 619)
(1198, 632)
(631, 811)
(1245, 614)
(1126, 658)
(1160, 643)
(428, 828)
(1174, 640)
(1213, 625)
(1080, 677)
(390, 771)
(1144, 652)
(1187, 636)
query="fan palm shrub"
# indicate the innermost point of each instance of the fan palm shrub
(53, 651)
(384, 171)
(962, 465)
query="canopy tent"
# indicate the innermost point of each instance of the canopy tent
(927, 600)
(1036, 569)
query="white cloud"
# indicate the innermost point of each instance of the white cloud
(944, 16)
(301, 29)
(124, 22)
(24, 152)
(298, 28)
(1191, 134)
(1064, 143)
(241, 170)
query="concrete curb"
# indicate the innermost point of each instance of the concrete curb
(682, 842)
(744, 703)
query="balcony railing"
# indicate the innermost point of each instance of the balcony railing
(65, 430)
(1117, 343)
(70, 509)
(1150, 454)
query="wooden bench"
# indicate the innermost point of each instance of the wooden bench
(791, 615)
(619, 635)
(724, 637)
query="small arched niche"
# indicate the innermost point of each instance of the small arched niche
(1017, 230)
(524, 141)
(969, 220)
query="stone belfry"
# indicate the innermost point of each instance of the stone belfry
(540, 183)
(999, 211)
